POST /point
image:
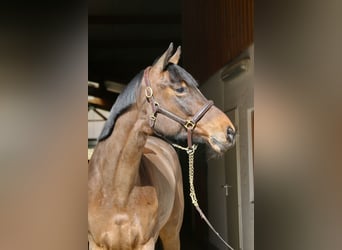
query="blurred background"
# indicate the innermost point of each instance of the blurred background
(297, 96)
(216, 39)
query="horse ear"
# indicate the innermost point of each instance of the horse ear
(163, 60)
(175, 58)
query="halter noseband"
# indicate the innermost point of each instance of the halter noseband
(189, 124)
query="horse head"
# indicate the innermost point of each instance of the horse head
(179, 110)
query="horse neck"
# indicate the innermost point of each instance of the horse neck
(123, 151)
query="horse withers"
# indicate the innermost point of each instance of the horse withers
(135, 189)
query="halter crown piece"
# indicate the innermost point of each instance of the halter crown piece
(189, 125)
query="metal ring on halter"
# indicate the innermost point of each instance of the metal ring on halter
(189, 125)
(153, 117)
(148, 92)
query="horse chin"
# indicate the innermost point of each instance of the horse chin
(217, 146)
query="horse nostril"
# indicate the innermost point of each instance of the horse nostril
(231, 131)
(231, 134)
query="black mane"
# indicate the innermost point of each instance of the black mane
(122, 103)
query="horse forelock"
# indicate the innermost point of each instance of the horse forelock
(124, 101)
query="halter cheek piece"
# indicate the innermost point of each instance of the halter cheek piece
(189, 124)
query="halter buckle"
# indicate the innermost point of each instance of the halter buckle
(148, 92)
(190, 125)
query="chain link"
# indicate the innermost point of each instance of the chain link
(191, 176)
(191, 153)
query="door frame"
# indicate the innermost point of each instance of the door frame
(233, 90)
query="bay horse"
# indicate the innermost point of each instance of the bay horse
(135, 188)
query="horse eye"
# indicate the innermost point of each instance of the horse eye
(180, 90)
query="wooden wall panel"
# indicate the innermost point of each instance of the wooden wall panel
(214, 32)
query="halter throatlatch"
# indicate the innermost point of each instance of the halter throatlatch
(189, 125)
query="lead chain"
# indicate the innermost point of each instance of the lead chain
(191, 152)
(191, 176)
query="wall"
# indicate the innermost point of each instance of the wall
(235, 93)
(214, 33)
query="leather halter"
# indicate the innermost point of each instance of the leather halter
(188, 124)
